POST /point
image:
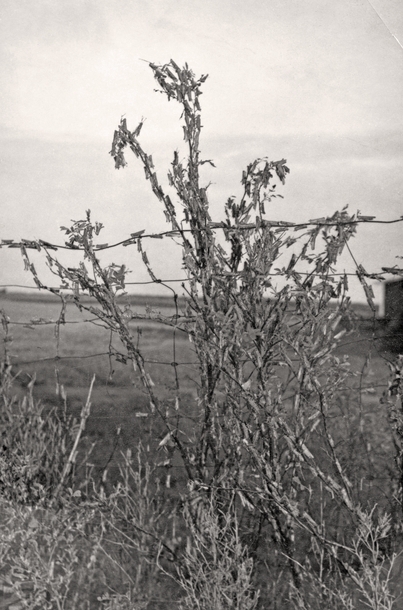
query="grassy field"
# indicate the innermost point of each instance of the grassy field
(118, 398)
(83, 350)
(359, 422)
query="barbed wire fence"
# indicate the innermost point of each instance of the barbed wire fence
(175, 320)
(179, 369)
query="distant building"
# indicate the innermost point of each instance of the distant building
(393, 297)
(393, 300)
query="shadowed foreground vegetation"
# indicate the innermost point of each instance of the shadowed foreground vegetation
(116, 525)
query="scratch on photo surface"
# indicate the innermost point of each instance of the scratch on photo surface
(386, 26)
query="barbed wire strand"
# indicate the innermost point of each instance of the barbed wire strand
(140, 235)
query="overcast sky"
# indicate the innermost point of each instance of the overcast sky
(319, 82)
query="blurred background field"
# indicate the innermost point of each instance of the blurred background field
(121, 415)
(118, 399)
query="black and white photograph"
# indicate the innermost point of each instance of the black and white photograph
(201, 305)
